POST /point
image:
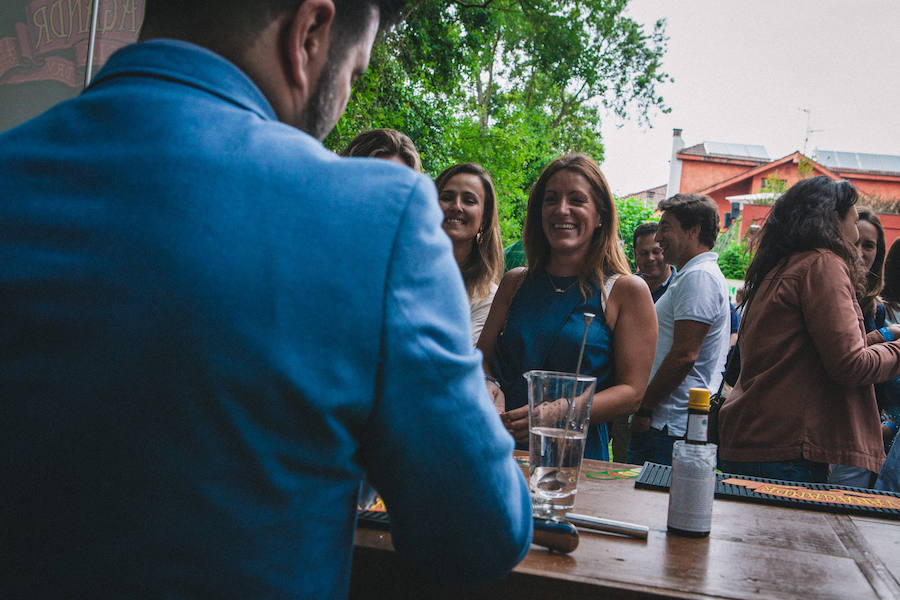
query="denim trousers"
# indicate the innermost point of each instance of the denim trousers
(889, 478)
(653, 445)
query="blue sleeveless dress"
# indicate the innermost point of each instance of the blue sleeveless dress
(544, 331)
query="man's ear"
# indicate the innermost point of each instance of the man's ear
(307, 41)
(694, 232)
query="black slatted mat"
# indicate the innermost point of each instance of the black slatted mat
(812, 496)
(373, 519)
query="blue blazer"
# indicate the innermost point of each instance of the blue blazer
(211, 328)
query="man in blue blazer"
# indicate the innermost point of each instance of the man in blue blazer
(212, 328)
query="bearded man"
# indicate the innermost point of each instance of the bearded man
(213, 328)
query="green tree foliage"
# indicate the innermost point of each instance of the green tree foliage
(805, 168)
(774, 186)
(734, 253)
(734, 260)
(510, 84)
(632, 212)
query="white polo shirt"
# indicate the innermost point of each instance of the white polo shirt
(697, 293)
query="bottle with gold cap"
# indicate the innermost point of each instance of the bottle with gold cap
(692, 483)
(698, 416)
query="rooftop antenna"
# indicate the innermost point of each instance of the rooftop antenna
(808, 130)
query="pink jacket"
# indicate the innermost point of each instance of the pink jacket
(807, 371)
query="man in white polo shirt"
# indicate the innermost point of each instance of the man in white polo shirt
(694, 327)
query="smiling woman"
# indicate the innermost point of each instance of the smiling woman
(537, 319)
(467, 199)
(871, 248)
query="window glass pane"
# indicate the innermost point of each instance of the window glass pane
(44, 45)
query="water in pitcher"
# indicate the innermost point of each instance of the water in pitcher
(555, 458)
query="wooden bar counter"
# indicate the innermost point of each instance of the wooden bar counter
(753, 551)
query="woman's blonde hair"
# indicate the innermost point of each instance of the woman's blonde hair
(483, 267)
(604, 256)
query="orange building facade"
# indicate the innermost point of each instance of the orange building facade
(754, 215)
(736, 175)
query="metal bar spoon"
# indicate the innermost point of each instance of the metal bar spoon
(620, 527)
(588, 319)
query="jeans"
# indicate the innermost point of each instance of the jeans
(802, 470)
(652, 445)
(851, 476)
(889, 478)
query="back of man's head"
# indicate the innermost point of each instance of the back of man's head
(230, 26)
(302, 54)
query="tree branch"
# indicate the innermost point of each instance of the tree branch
(411, 10)
(566, 104)
(484, 4)
(486, 107)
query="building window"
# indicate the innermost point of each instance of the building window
(773, 185)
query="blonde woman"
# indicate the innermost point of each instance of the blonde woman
(467, 198)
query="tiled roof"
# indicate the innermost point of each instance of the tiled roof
(654, 194)
(858, 161)
(753, 152)
(695, 150)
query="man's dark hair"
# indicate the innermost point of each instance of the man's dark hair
(229, 26)
(695, 209)
(648, 228)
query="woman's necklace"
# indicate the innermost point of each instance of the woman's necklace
(558, 289)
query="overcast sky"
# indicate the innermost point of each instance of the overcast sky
(743, 70)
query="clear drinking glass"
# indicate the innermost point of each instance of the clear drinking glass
(367, 496)
(559, 408)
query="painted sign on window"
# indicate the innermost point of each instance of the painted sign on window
(44, 47)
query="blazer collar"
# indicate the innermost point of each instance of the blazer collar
(186, 63)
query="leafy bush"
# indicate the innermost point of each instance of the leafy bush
(632, 212)
(734, 253)
(734, 260)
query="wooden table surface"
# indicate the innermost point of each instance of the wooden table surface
(753, 551)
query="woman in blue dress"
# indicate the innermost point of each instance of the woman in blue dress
(576, 265)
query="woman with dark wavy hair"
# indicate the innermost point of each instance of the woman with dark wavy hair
(805, 397)
(467, 198)
(870, 247)
(575, 266)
